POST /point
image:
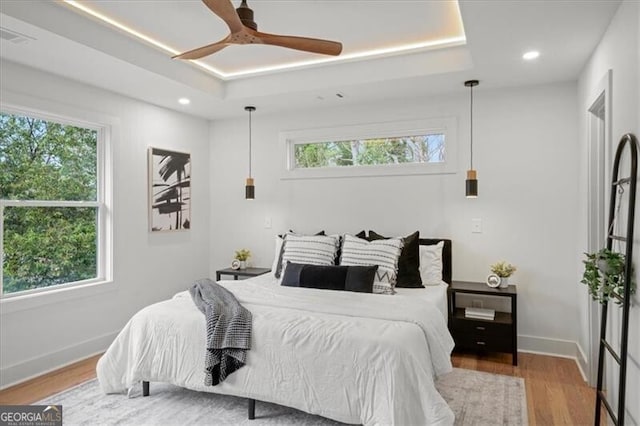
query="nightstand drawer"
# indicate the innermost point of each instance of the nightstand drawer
(467, 326)
(489, 342)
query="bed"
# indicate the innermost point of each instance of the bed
(356, 358)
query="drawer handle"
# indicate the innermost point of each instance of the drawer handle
(480, 328)
(480, 343)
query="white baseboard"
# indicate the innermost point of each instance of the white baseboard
(583, 364)
(554, 347)
(544, 345)
(34, 367)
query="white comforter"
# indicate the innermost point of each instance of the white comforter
(351, 357)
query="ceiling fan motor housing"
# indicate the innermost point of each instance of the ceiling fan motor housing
(246, 16)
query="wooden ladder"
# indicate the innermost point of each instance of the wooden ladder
(624, 298)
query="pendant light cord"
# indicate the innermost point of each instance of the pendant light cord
(471, 128)
(249, 143)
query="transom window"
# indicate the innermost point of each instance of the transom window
(52, 211)
(428, 148)
(397, 148)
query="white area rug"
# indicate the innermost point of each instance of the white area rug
(476, 398)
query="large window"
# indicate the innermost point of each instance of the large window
(51, 203)
(396, 148)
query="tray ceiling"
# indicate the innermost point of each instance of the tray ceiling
(366, 29)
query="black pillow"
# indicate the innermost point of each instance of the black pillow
(362, 234)
(330, 277)
(278, 270)
(409, 261)
(360, 278)
(291, 276)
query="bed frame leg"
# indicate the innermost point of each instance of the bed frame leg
(145, 388)
(252, 409)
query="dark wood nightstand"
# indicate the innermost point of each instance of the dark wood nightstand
(499, 335)
(248, 272)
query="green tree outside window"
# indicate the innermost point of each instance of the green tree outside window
(47, 161)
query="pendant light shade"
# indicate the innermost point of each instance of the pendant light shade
(250, 188)
(471, 184)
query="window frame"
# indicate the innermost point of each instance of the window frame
(445, 125)
(102, 202)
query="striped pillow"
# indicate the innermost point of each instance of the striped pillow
(309, 249)
(384, 253)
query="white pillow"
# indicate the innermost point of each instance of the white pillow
(431, 264)
(276, 256)
(384, 253)
(309, 250)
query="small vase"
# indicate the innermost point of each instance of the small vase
(243, 264)
(504, 282)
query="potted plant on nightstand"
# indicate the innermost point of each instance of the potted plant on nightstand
(504, 270)
(242, 255)
(604, 275)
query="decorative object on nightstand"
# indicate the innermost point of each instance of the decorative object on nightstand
(474, 329)
(503, 270)
(236, 273)
(242, 256)
(235, 264)
(493, 281)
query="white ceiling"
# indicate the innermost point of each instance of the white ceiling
(184, 25)
(497, 33)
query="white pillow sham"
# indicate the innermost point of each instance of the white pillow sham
(309, 249)
(276, 256)
(431, 264)
(384, 253)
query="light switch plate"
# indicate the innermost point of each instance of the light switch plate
(267, 223)
(476, 226)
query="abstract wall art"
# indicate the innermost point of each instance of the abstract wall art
(169, 190)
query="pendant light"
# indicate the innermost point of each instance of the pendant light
(472, 180)
(249, 189)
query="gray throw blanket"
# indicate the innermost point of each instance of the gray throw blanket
(228, 330)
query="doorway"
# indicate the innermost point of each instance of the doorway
(599, 158)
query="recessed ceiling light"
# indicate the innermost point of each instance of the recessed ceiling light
(184, 101)
(531, 55)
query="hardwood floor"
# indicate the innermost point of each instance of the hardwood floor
(41, 387)
(556, 393)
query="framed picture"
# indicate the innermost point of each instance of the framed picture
(169, 190)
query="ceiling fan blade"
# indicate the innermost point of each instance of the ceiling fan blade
(203, 51)
(225, 10)
(314, 45)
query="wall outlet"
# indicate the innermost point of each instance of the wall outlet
(476, 304)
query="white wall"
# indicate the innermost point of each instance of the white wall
(147, 268)
(619, 51)
(525, 154)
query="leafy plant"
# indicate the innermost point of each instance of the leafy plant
(503, 269)
(242, 255)
(604, 275)
(45, 160)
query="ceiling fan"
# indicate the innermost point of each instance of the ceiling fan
(244, 30)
